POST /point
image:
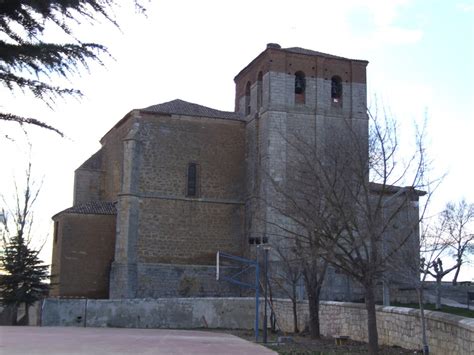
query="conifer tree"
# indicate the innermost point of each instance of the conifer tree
(26, 275)
(28, 60)
(25, 278)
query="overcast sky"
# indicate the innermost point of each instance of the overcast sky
(420, 53)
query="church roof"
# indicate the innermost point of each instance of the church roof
(94, 207)
(296, 50)
(181, 107)
(305, 51)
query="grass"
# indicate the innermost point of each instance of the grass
(463, 312)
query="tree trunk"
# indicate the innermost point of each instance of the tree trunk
(295, 317)
(455, 279)
(294, 301)
(14, 314)
(438, 293)
(313, 302)
(272, 313)
(27, 314)
(371, 320)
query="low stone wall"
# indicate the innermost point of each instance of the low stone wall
(10, 315)
(447, 334)
(230, 313)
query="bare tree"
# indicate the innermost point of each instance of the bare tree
(25, 274)
(449, 234)
(297, 239)
(341, 202)
(457, 220)
(286, 278)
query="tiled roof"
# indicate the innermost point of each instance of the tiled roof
(300, 50)
(95, 207)
(180, 107)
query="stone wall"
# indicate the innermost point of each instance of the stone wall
(172, 280)
(456, 293)
(83, 249)
(157, 222)
(188, 232)
(169, 144)
(229, 313)
(171, 226)
(112, 156)
(447, 334)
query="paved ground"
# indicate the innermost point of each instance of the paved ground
(91, 341)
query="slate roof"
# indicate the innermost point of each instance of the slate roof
(95, 207)
(181, 107)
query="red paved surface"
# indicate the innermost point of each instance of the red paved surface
(72, 340)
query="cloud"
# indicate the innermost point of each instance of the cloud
(465, 7)
(376, 21)
(398, 35)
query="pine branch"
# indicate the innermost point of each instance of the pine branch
(45, 58)
(27, 60)
(28, 120)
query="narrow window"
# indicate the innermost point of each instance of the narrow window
(247, 99)
(259, 89)
(192, 180)
(56, 227)
(336, 89)
(300, 86)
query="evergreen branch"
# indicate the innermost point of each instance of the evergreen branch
(28, 120)
(39, 89)
(45, 58)
(33, 15)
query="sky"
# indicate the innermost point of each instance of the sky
(420, 53)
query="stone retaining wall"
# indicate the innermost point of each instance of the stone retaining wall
(447, 334)
(230, 313)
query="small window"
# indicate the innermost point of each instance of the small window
(336, 89)
(192, 190)
(56, 227)
(259, 89)
(300, 87)
(247, 99)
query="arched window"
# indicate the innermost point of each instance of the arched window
(259, 89)
(300, 87)
(247, 98)
(336, 89)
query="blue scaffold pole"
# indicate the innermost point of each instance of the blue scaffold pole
(257, 298)
(233, 279)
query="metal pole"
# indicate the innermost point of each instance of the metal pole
(257, 296)
(265, 291)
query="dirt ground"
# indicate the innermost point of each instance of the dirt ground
(304, 345)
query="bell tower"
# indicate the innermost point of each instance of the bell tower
(293, 92)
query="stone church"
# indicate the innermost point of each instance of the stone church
(176, 182)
